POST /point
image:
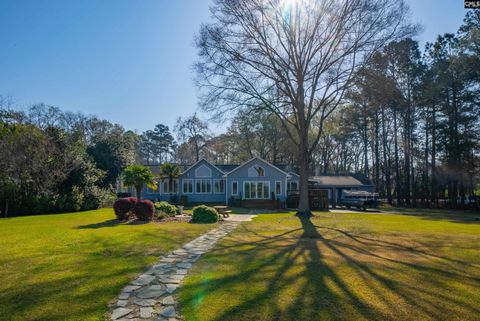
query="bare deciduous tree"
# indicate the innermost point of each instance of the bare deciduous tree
(295, 58)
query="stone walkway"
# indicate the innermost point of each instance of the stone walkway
(150, 296)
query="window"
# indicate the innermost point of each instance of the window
(219, 186)
(292, 186)
(234, 188)
(256, 171)
(278, 188)
(187, 186)
(256, 190)
(203, 186)
(166, 186)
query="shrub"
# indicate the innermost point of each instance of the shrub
(144, 210)
(122, 208)
(164, 209)
(204, 214)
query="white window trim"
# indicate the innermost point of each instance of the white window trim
(236, 182)
(218, 180)
(185, 180)
(280, 183)
(165, 181)
(256, 182)
(290, 183)
(203, 179)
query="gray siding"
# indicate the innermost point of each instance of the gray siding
(245, 173)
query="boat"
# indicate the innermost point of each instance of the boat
(359, 199)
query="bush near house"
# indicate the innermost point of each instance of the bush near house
(164, 209)
(204, 214)
(123, 207)
(144, 210)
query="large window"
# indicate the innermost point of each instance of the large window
(234, 188)
(256, 190)
(203, 186)
(292, 186)
(187, 186)
(219, 186)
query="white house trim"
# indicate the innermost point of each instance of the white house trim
(265, 183)
(203, 159)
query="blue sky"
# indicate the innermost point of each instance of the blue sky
(128, 61)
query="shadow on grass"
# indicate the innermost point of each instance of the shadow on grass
(111, 223)
(296, 276)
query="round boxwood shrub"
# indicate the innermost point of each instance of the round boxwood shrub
(144, 210)
(164, 209)
(123, 207)
(204, 214)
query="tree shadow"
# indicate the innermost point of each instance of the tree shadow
(111, 223)
(303, 274)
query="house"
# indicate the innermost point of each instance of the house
(255, 183)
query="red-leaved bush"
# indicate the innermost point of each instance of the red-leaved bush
(123, 207)
(144, 210)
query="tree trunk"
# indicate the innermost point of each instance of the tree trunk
(303, 205)
(397, 170)
(139, 192)
(432, 163)
(386, 162)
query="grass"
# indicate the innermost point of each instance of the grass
(69, 266)
(340, 266)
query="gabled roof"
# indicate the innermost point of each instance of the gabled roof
(203, 159)
(256, 158)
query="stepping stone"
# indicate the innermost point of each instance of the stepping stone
(156, 287)
(168, 312)
(182, 272)
(146, 312)
(131, 288)
(168, 300)
(171, 288)
(150, 294)
(145, 302)
(144, 279)
(167, 260)
(122, 303)
(184, 265)
(124, 296)
(120, 312)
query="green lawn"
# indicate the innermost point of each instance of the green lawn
(69, 266)
(340, 267)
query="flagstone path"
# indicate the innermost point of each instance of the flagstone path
(151, 295)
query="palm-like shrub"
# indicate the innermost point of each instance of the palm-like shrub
(137, 176)
(170, 171)
(204, 214)
(144, 210)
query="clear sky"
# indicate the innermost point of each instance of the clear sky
(128, 61)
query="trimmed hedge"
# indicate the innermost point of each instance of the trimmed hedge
(144, 210)
(204, 214)
(164, 209)
(123, 207)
